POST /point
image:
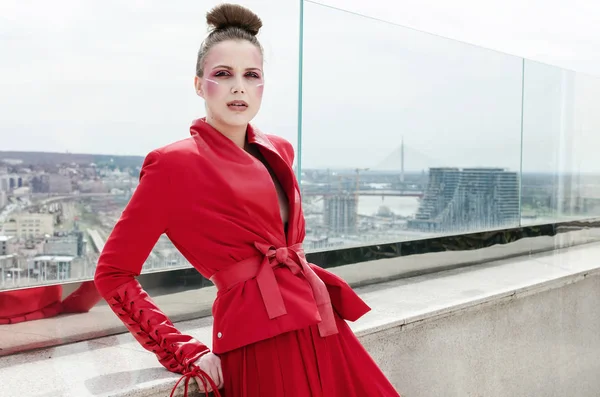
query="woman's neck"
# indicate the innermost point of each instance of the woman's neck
(236, 133)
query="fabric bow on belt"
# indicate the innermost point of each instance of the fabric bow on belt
(291, 257)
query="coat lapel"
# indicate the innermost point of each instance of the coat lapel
(284, 172)
(286, 178)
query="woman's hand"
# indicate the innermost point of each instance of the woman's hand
(211, 365)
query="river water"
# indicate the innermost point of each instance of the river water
(403, 206)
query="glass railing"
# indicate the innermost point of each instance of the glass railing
(405, 136)
(561, 131)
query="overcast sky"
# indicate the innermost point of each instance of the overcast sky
(116, 77)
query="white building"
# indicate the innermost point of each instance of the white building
(27, 225)
(23, 191)
(49, 267)
(61, 246)
(8, 270)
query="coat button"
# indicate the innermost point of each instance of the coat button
(219, 335)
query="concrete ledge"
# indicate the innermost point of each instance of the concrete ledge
(196, 303)
(409, 316)
(538, 342)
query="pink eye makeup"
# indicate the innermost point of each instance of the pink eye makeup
(253, 76)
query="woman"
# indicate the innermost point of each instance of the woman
(228, 199)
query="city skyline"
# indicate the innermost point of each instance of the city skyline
(56, 216)
(10, 159)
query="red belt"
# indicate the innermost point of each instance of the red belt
(292, 257)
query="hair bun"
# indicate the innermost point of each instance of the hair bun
(224, 16)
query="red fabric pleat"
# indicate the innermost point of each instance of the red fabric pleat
(304, 364)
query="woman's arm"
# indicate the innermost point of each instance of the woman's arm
(145, 218)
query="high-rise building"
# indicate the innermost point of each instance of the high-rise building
(10, 182)
(468, 199)
(340, 213)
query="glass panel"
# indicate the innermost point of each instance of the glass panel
(561, 134)
(405, 134)
(70, 86)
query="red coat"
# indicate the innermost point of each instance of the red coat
(219, 207)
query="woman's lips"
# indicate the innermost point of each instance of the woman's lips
(237, 105)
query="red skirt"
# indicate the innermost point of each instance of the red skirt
(303, 364)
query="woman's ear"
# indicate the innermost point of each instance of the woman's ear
(198, 86)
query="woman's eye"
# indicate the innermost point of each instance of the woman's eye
(221, 73)
(254, 75)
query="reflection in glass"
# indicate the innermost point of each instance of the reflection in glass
(561, 134)
(30, 304)
(405, 135)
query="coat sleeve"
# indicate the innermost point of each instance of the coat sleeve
(145, 218)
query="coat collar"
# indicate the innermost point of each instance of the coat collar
(254, 135)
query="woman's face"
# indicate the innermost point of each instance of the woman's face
(232, 83)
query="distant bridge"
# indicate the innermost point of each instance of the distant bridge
(399, 193)
(54, 199)
(380, 193)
